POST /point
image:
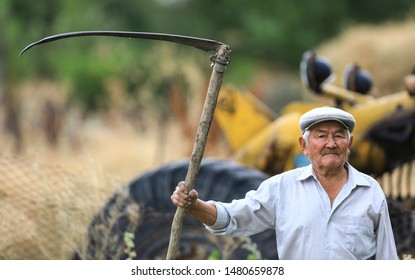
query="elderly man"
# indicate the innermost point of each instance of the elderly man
(326, 210)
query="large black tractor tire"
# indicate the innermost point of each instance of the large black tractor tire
(143, 207)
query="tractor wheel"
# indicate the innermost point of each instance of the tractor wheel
(143, 207)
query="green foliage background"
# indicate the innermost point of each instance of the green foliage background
(260, 33)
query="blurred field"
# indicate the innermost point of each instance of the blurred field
(74, 163)
(119, 145)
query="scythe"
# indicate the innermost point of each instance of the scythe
(219, 63)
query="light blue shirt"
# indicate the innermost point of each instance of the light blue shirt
(356, 226)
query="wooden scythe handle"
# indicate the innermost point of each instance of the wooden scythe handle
(219, 63)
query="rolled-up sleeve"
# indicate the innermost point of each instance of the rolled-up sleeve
(222, 220)
(247, 216)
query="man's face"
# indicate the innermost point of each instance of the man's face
(328, 146)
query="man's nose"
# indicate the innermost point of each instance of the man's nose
(331, 142)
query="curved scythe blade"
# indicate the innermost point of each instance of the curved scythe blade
(219, 63)
(199, 43)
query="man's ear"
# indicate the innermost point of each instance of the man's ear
(349, 146)
(350, 141)
(302, 143)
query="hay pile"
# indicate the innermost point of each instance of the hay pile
(385, 50)
(44, 210)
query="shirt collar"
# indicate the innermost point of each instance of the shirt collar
(356, 178)
(306, 173)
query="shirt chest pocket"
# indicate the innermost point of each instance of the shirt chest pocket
(360, 237)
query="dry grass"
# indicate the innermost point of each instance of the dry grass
(45, 210)
(50, 191)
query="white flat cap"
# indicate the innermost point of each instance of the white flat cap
(326, 113)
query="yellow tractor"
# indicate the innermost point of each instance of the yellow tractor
(264, 144)
(269, 143)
